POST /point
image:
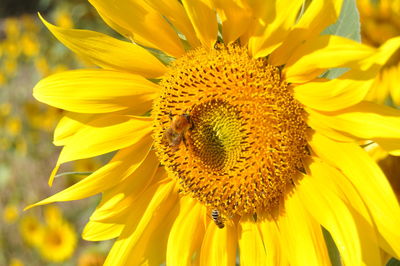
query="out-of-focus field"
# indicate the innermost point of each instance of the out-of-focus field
(28, 52)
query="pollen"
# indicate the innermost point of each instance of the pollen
(245, 142)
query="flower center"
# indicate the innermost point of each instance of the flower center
(54, 238)
(228, 128)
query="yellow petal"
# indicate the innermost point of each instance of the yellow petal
(316, 192)
(251, 246)
(394, 77)
(235, 19)
(142, 225)
(333, 180)
(97, 231)
(270, 36)
(219, 246)
(319, 15)
(175, 13)
(107, 134)
(204, 21)
(301, 235)
(379, 90)
(371, 184)
(154, 253)
(366, 120)
(145, 25)
(108, 52)
(323, 52)
(272, 241)
(120, 167)
(189, 229)
(119, 199)
(386, 53)
(318, 122)
(123, 31)
(97, 91)
(392, 146)
(68, 125)
(339, 93)
(261, 15)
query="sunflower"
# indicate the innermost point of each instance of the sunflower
(31, 230)
(59, 239)
(228, 138)
(380, 22)
(10, 213)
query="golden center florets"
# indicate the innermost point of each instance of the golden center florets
(244, 135)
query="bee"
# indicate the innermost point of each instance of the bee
(178, 130)
(217, 219)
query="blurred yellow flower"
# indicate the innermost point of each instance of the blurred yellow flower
(380, 21)
(13, 126)
(16, 262)
(31, 230)
(91, 259)
(30, 44)
(58, 240)
(11, 49)
(5, 109)
(63, 19)
(11, 28)
(10, 213)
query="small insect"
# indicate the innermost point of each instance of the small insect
(178, 130)
(217, 219)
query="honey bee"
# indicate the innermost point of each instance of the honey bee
(217, 219)
(179, 129)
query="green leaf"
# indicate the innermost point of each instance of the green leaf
(333, 251)
(393, 262)
(348, 23)
(166, 59)
(348, 26)
(73, 173)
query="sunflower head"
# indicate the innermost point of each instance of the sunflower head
(31, 230)
(247, 136)
(58, 242)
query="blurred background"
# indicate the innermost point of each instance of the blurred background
(50, 235)
(47, 235)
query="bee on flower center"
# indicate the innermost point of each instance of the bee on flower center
(179, 129)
